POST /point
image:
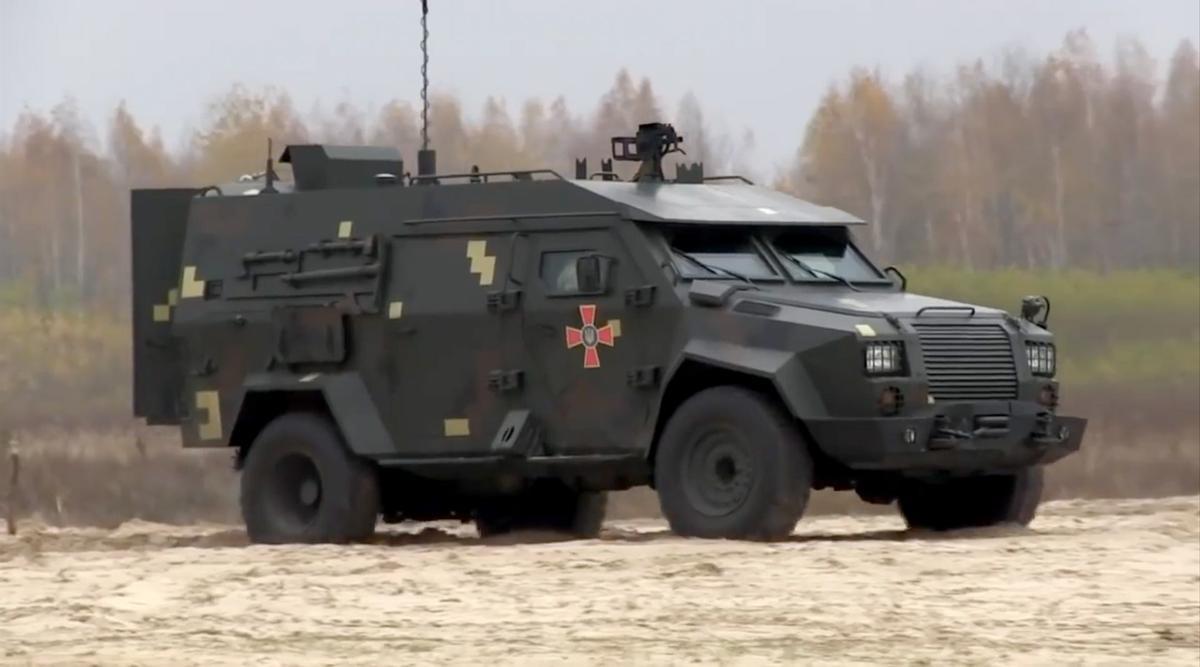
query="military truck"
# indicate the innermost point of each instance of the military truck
(507, 347)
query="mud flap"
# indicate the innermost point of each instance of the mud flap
(159, 221)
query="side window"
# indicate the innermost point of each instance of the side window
(559, 271)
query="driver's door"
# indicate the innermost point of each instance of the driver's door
(583, 344)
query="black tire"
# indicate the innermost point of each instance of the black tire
(973, 502)
(732, 464)
(300, 483)
(550, 506)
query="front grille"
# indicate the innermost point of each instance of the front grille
(968, 361)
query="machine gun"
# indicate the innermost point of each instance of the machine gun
(652, 143)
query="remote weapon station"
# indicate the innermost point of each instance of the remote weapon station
(507, 347)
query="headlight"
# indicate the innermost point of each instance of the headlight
(884, 358)
(1041, 358)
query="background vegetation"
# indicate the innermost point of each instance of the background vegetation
(1074, 175)
(1067, 161)
(1124, 333)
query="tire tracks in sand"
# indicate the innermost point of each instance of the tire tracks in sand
(1090, 581)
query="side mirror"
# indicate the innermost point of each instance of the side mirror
(1036, 309)
(592, 272)
(895, 273)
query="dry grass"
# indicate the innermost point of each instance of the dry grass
(103, 478)
(1131, 364)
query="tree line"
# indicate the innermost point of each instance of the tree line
(1063, 161)
(1067, 160)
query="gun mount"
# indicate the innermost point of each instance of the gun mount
(652, 143)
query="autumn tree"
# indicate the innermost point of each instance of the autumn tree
(234, 138)
(1181, 156)
(1062, 160)
(850, 149)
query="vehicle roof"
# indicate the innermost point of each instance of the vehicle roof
(715, 203)
(719, 203)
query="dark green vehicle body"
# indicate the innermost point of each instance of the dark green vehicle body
(436, 323)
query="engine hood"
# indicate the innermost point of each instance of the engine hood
(897, 304)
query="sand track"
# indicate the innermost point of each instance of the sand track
(1094, 581)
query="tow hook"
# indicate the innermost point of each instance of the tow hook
(1045, 433)
(985, 426)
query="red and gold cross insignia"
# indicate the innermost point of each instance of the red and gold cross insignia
(590, 336)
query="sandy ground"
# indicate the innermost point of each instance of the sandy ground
(1114, 582)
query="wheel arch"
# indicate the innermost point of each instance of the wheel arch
(342, 398)
(261, 407)
(773, 373)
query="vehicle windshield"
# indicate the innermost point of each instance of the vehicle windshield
(824, 255)
(719, 254)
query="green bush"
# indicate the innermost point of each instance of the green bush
(1118, 327)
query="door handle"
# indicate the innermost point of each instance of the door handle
(546, 329)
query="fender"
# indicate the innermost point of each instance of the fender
(782, 368)
(345, 395)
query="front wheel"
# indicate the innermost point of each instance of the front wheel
(732, 464)
(973, 502)
(301, 484)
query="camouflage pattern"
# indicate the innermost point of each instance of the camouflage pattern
(430, 318)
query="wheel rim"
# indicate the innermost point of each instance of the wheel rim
(718, 473)
(296, 492)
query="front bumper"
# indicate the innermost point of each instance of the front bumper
(959, 438)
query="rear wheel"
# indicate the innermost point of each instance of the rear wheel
(301, 484)
(546, 505)
(732, 464)
(973, 502)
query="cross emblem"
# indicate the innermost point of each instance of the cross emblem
(590, 336)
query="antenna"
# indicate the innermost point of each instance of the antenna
(426, 157)
(424, 75)
(270, 175)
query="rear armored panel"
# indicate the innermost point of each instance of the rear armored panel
(159, 220)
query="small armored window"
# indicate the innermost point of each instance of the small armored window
(559, 271)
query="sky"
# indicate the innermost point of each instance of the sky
(757, 65)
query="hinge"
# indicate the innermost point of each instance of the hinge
(502, 381)
(502, 301)
(640, 296)
(646, 376)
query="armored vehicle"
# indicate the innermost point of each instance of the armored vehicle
(506, 348)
